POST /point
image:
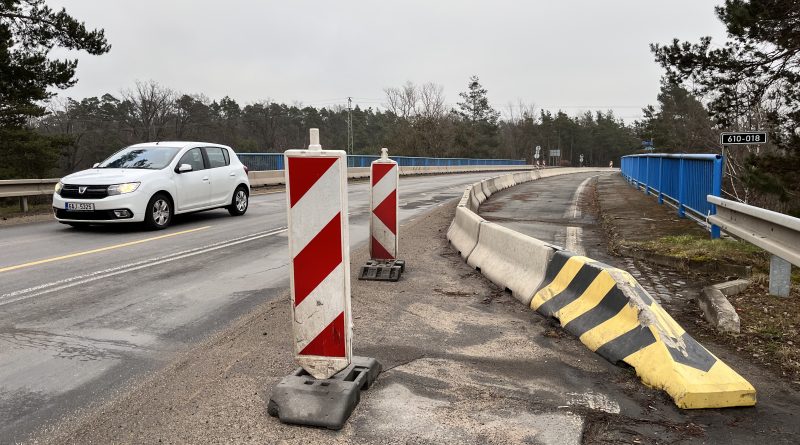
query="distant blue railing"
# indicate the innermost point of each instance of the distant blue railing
(684, 179)
(274, 161)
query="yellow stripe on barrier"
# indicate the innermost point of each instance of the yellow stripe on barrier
(614, 316)
(624, 321)
(561, 281)
(589, 299)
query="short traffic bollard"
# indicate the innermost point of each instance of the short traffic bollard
(316, 196)
(383, 264)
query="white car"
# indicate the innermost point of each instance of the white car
(151, 183)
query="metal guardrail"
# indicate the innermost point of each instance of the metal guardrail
(274, 161)
(774, 232)
(23, 188)
(683, 179)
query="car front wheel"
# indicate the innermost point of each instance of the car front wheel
(239, 202)
(159, 212)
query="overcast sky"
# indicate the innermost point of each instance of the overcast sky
(573, 55)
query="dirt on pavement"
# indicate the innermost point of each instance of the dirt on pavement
(464, 363)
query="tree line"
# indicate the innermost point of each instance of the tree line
(750, 81)
(415, 121)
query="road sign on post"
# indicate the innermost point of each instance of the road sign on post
(316, 196)
(383, 264)
(743, 138)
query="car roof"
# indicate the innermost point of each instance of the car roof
(180, 144)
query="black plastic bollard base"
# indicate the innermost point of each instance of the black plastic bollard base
(382, 270)
(303, 400)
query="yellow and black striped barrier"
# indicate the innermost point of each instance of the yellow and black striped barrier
(613, 315)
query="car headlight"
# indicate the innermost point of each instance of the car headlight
(121, 189)
(58, 188)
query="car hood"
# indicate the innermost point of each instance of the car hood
(107, 176)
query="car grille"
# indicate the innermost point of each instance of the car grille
(96, 215)
(92, 191)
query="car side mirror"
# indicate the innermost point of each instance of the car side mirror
(183, 168)
(95, 165)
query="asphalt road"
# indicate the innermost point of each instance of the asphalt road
(82, 312)
(550, 209)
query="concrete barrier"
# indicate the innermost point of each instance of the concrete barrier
(478, 190)
(473, 200)
(503, 182)
(603, 306)
(492, 185)
(269, 177)
(465, 197)
(610, 312)
(485, 187)
(511, 260)
(463, 232)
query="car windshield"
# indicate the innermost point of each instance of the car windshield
(153, 158)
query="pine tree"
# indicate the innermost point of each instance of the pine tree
(28, 31)
(478, 127)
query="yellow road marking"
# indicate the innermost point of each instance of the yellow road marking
(102, 249)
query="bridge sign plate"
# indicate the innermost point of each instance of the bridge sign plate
(759, 137)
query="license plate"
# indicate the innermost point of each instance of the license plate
(79, 207)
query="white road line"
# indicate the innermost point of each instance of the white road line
(575, 234)
(574, 210)
(573, 241)
(82, 279)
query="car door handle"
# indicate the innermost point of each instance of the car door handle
(205, 178)
(232, 174)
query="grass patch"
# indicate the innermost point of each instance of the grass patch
(697, 248)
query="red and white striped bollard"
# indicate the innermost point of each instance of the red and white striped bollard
(383, 227)
(316, 196)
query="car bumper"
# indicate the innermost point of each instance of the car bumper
(106, 210)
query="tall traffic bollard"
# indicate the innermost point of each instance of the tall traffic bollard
(383, 264)
(325, 390)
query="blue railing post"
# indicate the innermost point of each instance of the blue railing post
(646, 174)
(681, 187)
(716, 190)
(661, 180)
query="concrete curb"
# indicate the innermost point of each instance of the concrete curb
(716, 308)
(603, 306)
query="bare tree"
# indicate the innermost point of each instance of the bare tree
(432, 103)
(150, 108)
(403, 101)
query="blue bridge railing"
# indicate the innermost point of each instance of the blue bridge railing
(683, 179)
(274, 161)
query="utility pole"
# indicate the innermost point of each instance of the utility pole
(349, 125)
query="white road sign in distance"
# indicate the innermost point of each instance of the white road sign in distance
(758, 137)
